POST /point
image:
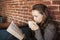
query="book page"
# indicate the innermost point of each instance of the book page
(15, 31)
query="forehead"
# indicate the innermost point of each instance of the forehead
(35, 12)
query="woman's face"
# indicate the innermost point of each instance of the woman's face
(37, 16)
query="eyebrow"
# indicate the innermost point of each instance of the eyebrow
(35, 15)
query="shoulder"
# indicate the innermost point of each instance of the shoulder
(55, 23)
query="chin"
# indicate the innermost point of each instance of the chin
(37, 22)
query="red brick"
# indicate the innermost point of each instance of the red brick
(58, 17)
(25, 16)
(56, 12)
(56, 2)
(46, 2)
(55, 17)
(24, 9)
(30, 17)
(29, 3)
(53, 7)
(33, 0)
(59, 8)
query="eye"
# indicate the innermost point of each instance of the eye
(35, 16)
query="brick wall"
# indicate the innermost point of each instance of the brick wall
(20, 10)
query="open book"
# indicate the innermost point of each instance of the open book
(15, 31)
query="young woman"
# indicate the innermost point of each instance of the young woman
(43, 27)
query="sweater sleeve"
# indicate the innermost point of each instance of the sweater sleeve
(38, 34)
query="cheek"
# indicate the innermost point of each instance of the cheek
(38, 19)
(35, 18)
(41, 18)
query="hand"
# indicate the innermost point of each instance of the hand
(33, 25)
